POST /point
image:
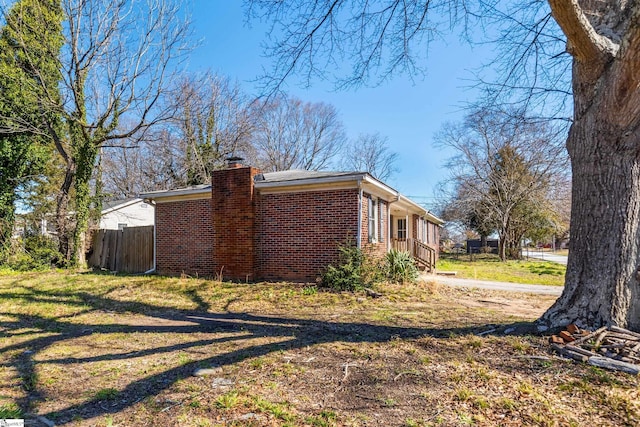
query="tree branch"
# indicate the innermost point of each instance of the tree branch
(583, 42)
(625, 105)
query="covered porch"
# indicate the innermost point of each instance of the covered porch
(414, 233)
(424, 255)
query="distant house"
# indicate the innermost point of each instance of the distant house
(249, 225)
(120, 214)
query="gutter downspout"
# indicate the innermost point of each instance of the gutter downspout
(359, 233)
(152, 204)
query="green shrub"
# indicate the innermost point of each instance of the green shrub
(39, 253)
(353, 272)
(347, 274)
(400, 267)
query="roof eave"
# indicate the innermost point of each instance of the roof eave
(121, 205)
(309, 181)
(155, 195)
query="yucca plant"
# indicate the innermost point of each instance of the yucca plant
(400, 267)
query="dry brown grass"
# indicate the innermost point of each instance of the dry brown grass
(87, 349)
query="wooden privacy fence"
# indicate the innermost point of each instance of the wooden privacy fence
(126, 251)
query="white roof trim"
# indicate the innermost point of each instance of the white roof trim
(381, 185)
(121, 205)
(310, 181)
(154, 195)
(431, 217)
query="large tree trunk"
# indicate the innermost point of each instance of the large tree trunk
(63, 222)
(602, 283)
(502, 247)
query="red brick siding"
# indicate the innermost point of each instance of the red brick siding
(379, 248)
(183, 238)
(233, 215)
(298, 233)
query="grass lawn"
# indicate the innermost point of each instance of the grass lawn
(84, 349)
(489, 267)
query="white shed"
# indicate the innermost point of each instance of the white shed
(120, 214)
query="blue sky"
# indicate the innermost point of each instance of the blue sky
(408, 113)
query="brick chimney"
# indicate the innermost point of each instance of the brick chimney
(234, 162)
(233, 217)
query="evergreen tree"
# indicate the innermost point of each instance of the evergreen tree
(30, 43)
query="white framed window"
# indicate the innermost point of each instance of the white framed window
(122, 226)
(402, 229)
(373, 220)
(383, 215)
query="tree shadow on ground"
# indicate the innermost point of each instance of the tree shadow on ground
(293, 333)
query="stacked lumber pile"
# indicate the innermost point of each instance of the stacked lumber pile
(608, 347)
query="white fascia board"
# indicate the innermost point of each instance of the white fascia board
(412, 205)
(309, 181)
(431, 217)
(380, 187)
(397, 197)
(120, 206)
(402, 200)
(157, 195)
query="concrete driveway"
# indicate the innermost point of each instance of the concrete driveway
(498, 286)
(546, 256)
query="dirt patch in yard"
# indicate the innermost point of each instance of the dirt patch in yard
(514, 305)
(91, 350)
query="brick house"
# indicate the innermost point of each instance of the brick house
(249, 225)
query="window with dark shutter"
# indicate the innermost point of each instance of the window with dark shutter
(373, 221)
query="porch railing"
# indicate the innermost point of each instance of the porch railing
(400, 245)
(424, 254)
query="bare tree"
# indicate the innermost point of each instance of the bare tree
(153, 163)
(370, 153)
(292, 134)
(116, 65)
(603, 40)
(213, 122)
(501, 174)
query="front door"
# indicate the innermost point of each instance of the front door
(401, 228)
